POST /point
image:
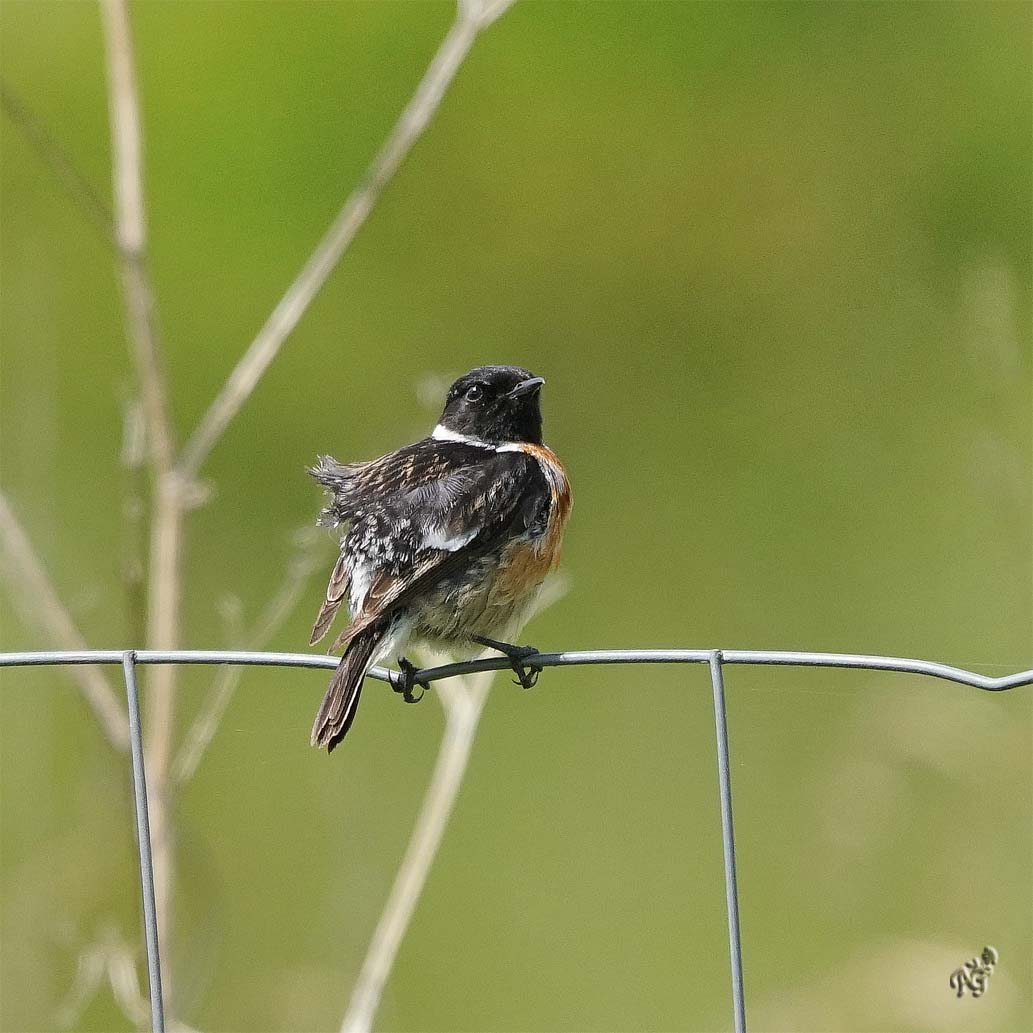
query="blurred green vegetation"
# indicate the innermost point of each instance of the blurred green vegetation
(774, 260)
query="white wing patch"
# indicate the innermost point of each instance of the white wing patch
(362, 577)
(439, 538)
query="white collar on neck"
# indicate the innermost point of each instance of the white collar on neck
(442, 433)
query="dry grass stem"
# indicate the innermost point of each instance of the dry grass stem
(130, 225)
(32, 592)
(463, 699)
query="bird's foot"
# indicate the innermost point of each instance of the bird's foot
(408, 680)
(527, 674)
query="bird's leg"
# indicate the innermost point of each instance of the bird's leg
(526, 673)
(408, 670)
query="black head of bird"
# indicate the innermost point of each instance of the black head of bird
(494, 404)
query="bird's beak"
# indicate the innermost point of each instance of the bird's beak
(527, 387)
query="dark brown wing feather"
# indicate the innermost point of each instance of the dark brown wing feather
(336, 590)
(356, 486)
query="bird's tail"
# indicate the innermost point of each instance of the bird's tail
(342, 697)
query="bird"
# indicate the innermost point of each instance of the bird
(445, 541)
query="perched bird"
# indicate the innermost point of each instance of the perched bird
(447, 540)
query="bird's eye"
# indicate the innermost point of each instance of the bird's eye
(475, 393)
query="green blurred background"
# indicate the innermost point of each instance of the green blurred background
(774, 261)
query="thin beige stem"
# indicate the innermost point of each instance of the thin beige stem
(163, 633)
(131, 228)
(463, 700)
(167, 495)
(285, 317)
(33, 593)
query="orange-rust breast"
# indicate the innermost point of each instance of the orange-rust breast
(562, 499)
(528, 562)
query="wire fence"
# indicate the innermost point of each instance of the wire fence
(716, 659)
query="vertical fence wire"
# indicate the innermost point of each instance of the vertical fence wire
(143, 834)
(724, 780)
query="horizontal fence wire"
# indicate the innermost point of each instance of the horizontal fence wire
(716, 659)
(762, 657)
